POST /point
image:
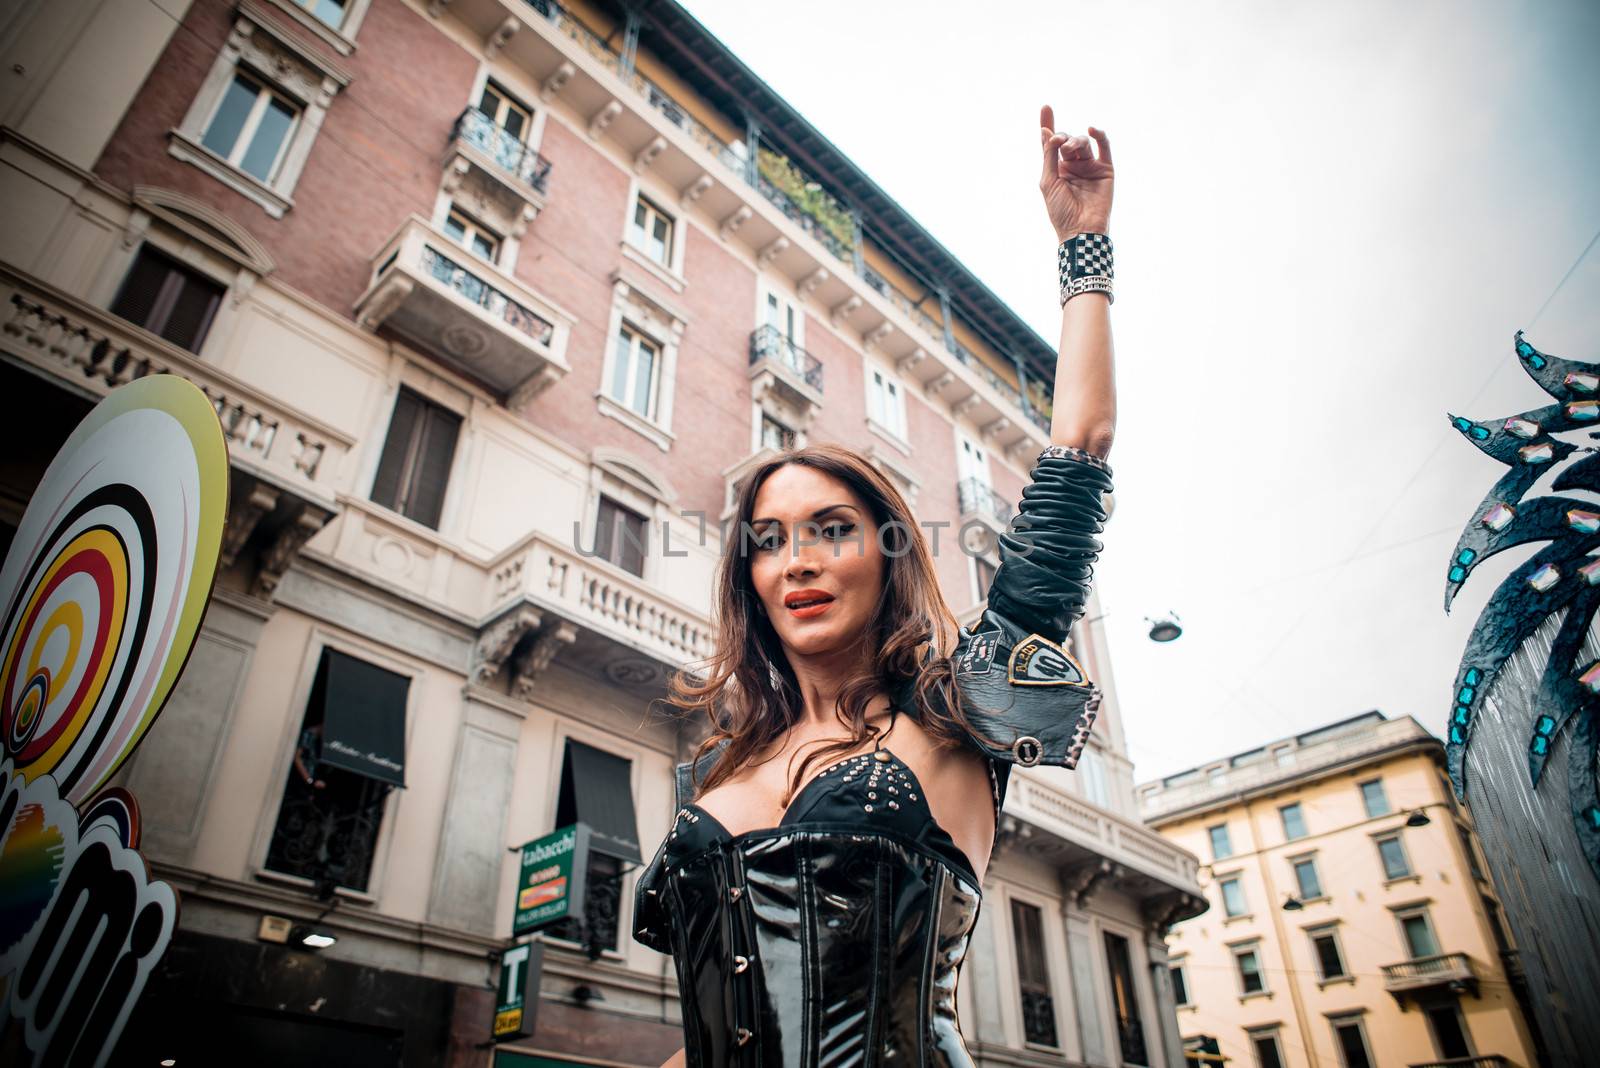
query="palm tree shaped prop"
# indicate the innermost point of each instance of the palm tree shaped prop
(1562, 575)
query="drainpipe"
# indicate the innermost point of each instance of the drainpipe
(630, 43)
(752, 142)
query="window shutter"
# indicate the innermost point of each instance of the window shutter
(168, 299)
(431, 473)
(141, 289)
(192, 311)
(397, 449)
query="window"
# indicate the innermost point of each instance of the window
(1351, 1038)
(1325, 946)
(1217, 776)
(620, 536)
(1283, 756)
(1221, 846)
(596, 789)
(1449, 1032)
(471, 234)
(505, 112)
(774, 435)
(415, 467)
(1233, 903)
(1373, 796)
(257, 112)
(983, 572)
(1393, 856)
(1269, 1054)
(167, 298)
(1418, 933)
(651, 232)
(1251, 979)
(1180, 982)
(1471, 853)
(1294, 821)
(887, 406)
(251, 127)
(348, 755)
(635, 371)
(1033, 974)
(331, 12)
(1305, 876)
(1125, 1001)
(1092, 773)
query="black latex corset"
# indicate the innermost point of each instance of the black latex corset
(834, 938)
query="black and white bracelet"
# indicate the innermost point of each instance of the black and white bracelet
(1084, 261)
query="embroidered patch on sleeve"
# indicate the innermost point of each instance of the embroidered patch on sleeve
(1038, 661)
(978, 657)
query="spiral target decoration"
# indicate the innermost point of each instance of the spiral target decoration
(106, 582)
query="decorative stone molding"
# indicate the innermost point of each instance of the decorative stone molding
(905, 364)
(525, 679)
(243, 517)
(556, 82)
(938, 382)
(811, 281)
(872, 338)
(285, 546)
(965, 405)
(999, 425)
(502, 34)
(773, 249)
(695, 189)
(843, 309)
(730, 225)
(603, 118)
(499, 639)
(647, 155)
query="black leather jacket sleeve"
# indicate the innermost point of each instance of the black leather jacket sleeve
(1027, 697)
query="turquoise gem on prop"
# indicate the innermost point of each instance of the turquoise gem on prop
(1466, 556)
(1466, 695)
(1457, 574)
(1591, 816)
(1481, 433)
(1463, 715)
(1461, 424)
(1473, 675)
(1544, 578)
(1457, 736)
(1545, 725)
(1527, 352)
(1540, 746)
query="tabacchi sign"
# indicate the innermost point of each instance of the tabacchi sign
(550, 885)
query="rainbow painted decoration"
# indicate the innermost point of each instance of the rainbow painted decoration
(101, 598)
(106, 582)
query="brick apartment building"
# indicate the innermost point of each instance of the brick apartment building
(487, 293)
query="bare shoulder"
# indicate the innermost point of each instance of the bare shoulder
(957, 784)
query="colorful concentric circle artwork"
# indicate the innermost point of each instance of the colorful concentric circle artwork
(106, 582)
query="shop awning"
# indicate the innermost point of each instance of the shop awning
(363, 717)
(595, 789)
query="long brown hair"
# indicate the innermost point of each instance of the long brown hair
(750, 694)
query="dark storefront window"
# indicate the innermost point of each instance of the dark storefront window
(1125, 1000)
(169, 299)
(349, 755)
(596, 789)
(1033, 974)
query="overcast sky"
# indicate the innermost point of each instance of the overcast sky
(1329, 221)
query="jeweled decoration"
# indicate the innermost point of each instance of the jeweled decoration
(1497, 517)
(1522, 428)
(1582, 521)
(1541, 453)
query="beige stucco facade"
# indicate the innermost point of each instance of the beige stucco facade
(1392, 944)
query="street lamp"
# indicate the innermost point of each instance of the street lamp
(1418, 818)
(1293, 904)
(1161, 630)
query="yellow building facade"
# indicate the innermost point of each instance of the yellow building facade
(1352, 921)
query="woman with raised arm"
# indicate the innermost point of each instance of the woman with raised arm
(824, 869)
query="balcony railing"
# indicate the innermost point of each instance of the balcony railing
(1421, 972)
(1038, 1017)
(1493, 1060)
(1130, 1039)
(486, 296)
(978, 498)
(768, 343)
(510, 154)
(99, 352)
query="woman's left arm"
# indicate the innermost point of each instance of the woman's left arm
(1076, 185)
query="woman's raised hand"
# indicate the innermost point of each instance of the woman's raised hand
(1076, 184)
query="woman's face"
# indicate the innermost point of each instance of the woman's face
(813, 533)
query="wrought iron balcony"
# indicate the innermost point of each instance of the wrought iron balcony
(978, 499)
(466, 311)
(777, 363)
(1130, 1038)
(1453, 970)
(476, 130)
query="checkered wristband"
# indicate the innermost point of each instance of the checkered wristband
(1084, 261)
